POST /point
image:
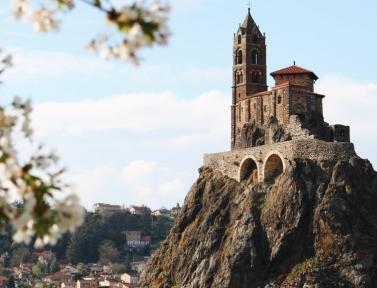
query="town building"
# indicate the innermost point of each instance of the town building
(67, 284)
(130, 278)
(107, 209)
(139, 210)
(136, 239)
(139, 265)
(161, 212)
(3, 281)
(175, 211)
(87, 283)
(270, 128)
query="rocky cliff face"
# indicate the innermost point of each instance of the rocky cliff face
(316, 226)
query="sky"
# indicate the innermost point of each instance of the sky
(136, 135)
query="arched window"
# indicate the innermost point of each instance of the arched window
(256, 76)
(239, 57)
(279, 99)
(255, 38)
(239, 77)
(255, 57)
(239, 39)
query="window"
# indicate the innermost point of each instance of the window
(279, 99)
(239, 57)
(255, 38)
(239, 39)
(265, 108)
(239, 77)
(255, 57)
(256, 76)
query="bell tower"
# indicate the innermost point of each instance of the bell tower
(249, 65)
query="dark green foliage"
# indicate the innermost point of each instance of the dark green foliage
(160, 228)
(84, 245)
(60, 249)
(11, 283)
(108, 253)
(5, 239)
(20, 254)
(54, 266)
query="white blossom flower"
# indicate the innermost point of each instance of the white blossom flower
(38, 244)
(17, 102)
(70, 212)
(20, 8)
(44, 20)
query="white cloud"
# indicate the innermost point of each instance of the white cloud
(185, 120)
(147, 181)
(165, 120)
(352, 103)
(93, 185)
(140, 182)
(31, 65)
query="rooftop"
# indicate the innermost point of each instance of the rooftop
(294, 70)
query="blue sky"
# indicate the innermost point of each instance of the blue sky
(134, 135)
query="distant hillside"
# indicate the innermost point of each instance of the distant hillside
(84, 245)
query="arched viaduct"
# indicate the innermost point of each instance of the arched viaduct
(265, 163)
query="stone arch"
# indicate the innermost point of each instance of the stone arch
(249, 169)
(273, 166)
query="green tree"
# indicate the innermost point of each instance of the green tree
(54, 265)
(40, 269)
(84, 243)
(108, 253)
(119, 268)
(6, 258)
(20, 254)
(60, 249)
(11, 283)
(161, 227)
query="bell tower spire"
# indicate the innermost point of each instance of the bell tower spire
(249, 65)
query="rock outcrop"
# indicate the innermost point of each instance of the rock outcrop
(315, 226)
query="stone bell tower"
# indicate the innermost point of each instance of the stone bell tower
(249, 66)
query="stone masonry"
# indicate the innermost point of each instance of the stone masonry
(272, 127)
(230, 163)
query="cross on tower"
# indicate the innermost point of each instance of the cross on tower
(249, 4)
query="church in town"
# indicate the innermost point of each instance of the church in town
(272, 127)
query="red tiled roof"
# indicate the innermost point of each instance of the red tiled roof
(294, 70)
(146, 238)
